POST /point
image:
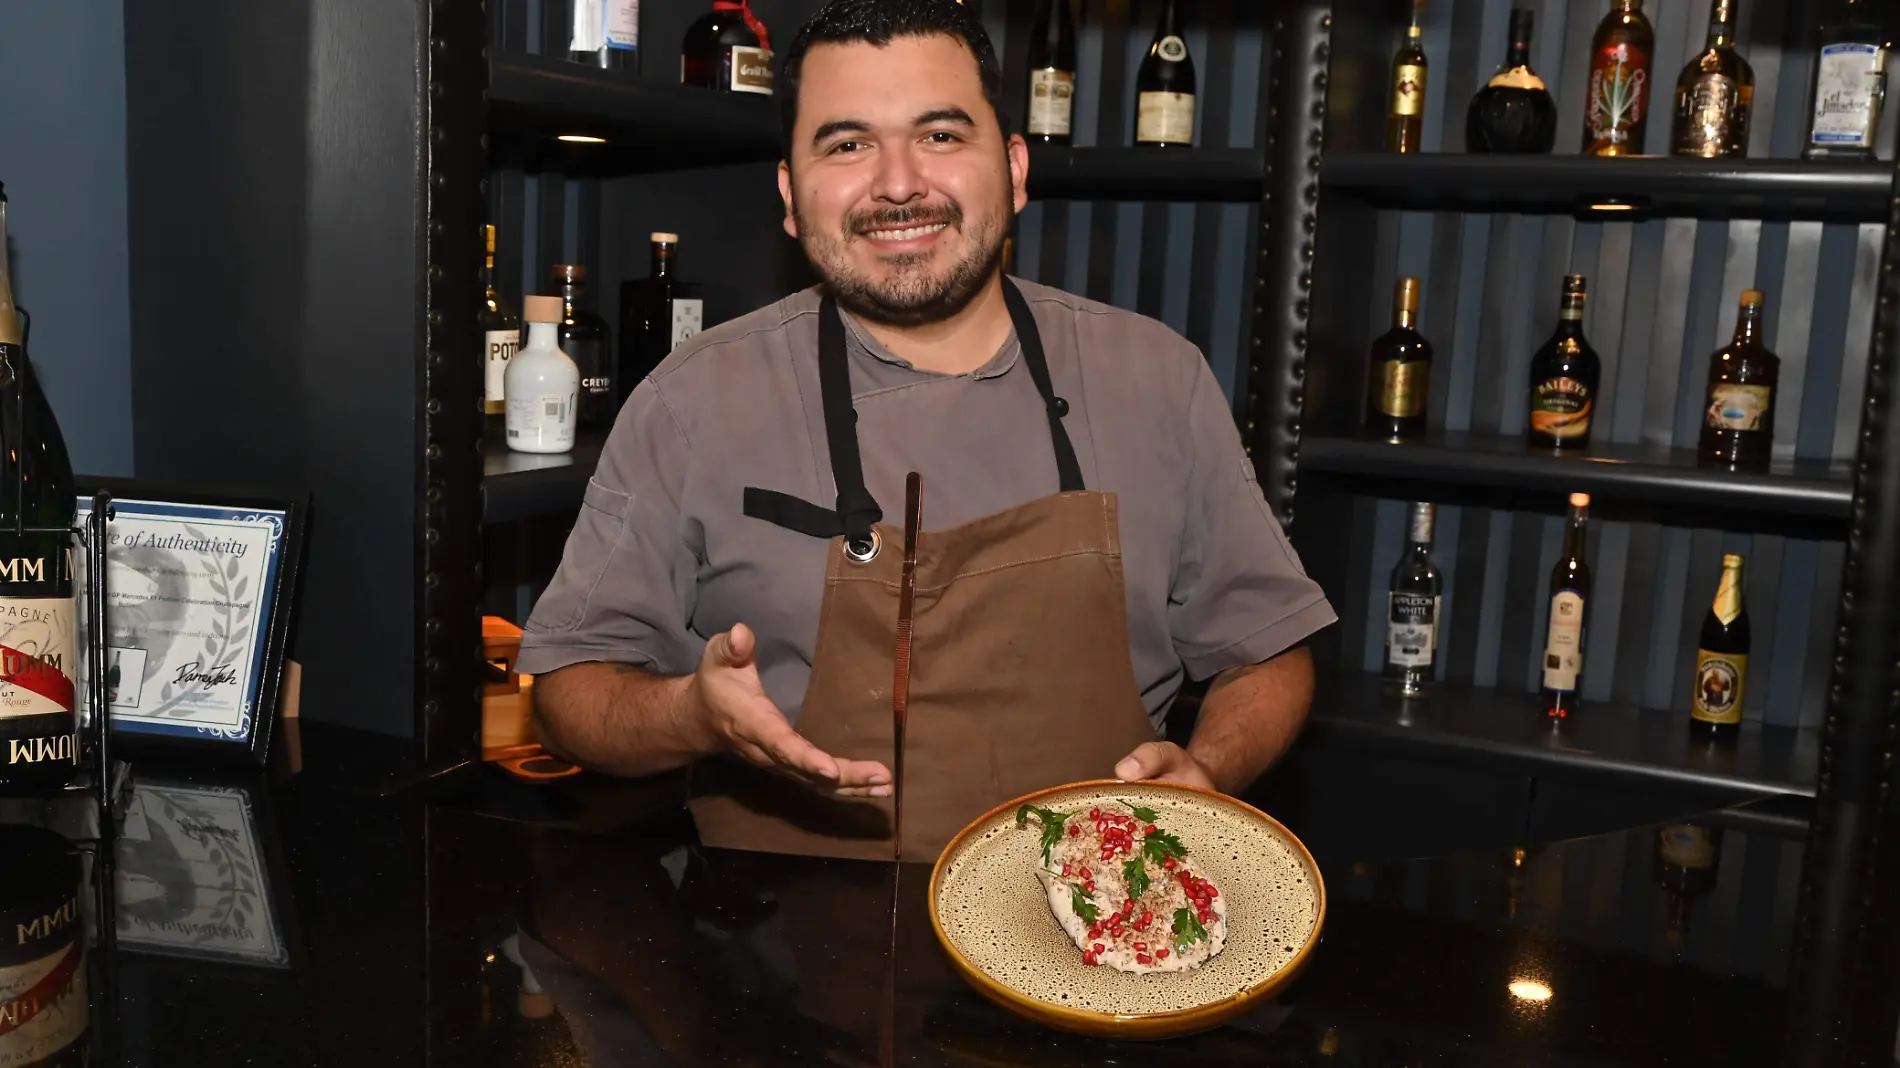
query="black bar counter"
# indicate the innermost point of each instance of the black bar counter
(323, 920)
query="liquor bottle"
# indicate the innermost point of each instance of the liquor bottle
(1684, 864)
(1405, 114)
(1738, 422)
(1721, 658)
(501, 336)
(1401, 371)
(1850, 85)
(1569, 603)
(1051, 75)
(1164, 87)
(543, 384)
(1513, 112)
(605, 34)
(39, 728)
(1412, 601)
(727, 49)
(1715, 93)
(44, 1010)
(583, 335)
(1564, 376)
(1616, 109)
(655, 316)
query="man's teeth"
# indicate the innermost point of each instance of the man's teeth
(908, 234)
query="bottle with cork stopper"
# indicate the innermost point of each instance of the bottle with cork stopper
(542, 384)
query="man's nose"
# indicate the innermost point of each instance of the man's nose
(899, 179)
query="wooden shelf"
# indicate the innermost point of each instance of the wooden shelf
(650, 126)
(1236, 175)
(522, 485)
(1626, 473)
(1653, 186)
(1602, 741)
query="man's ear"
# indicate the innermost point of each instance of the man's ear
(1018, 151)
(785, 194)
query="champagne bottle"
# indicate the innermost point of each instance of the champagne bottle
(1401, 371)
(1569, 605)
(1405, 114)
(44, 1010)
(1738, 420)
(727, 49)
(39, 728)
(1412, 602)
(656, 316)
(583, 335)
(1721, 658)
(1714, 94)
(1513, 112)
(1850, 84)
(1164, 87)
(501, 336)
(1051, 75)
(1616, 107)
(1564, 374)
(543, 384)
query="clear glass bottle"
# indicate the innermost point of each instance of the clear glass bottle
(604, 34)
(1850, 84)
(1412, 603)
(543, 385)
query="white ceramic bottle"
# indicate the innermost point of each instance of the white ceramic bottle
(542, 384)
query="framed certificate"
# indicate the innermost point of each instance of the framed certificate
(200, 591)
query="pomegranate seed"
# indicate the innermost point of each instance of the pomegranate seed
(1141, 947)
(1128, 905)
(1143, 958)
(1097, 947)
(1086, 873)
(1095, 813)
(1074, 830)
(1146, 916)
(1162, 953)
(1212, 893)
(1088, 887)
(1150, 829)
(1168, 863)
(1205, 916)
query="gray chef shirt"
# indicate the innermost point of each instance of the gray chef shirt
(662, 556)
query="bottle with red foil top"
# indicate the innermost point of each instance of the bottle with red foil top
(39, 727)
(1616, 107)
(728, 49)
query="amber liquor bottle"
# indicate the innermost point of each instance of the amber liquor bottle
(1405, 113)
(1714, 94)
(501, 339)
(1738, 420)
(1564, 375)
(1721, 658)
(1616, 104)
(1401, 372)
(1569, 607)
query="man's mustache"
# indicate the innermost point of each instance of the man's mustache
(903, 218)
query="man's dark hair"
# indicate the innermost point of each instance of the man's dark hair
(877, 22)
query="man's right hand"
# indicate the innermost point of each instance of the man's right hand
(727, 694)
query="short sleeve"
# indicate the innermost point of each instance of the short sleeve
(1239, 594)
(625, 586)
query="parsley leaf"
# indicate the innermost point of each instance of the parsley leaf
(1187, 929)
(1052, 823)
(1081, 903)
(1145, 815)
(1161, 845)
(1135, 874)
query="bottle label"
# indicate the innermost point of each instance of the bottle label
(1411, 629)
(1618, 94)
(1408, 89)
(36, 657)
(43, 1003)
(1718, 686)
(1051, 102)
(500, 346)
(1734, 407)
(1165, 118)
(1402, 386)
(622, 24)
(546, 419)
(751, 70)
(1172, 49)
(1687, 845)
(1847, 90)
(1709, 111)
(689, 316)
(1560, 408)
(1563, 643)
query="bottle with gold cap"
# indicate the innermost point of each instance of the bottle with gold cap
(1738, 418)
(1401, 371)
(1569, 602)
(501, 336)
(543, 385)
(1721, 658)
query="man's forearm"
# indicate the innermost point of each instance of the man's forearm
(1250, 716)
(619, 719)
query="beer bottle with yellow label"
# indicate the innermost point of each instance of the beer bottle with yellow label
(1721, 658)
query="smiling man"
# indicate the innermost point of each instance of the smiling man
(1093, 532)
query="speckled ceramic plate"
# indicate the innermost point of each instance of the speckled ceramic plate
(991, 914)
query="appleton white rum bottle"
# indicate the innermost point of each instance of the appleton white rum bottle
(1412, 600)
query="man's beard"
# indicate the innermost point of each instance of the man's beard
(912, 295)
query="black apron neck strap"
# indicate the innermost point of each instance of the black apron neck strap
(857, 509)
(1068, 471)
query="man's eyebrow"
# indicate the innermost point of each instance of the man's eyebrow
(951, 114)
(838, 126)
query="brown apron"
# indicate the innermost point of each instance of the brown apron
(1020, 670)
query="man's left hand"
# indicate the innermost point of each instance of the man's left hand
(1165, 761)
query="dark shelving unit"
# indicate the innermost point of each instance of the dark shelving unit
(1201, 175)
(1619, 189)
(1653, 474)
(522, 485)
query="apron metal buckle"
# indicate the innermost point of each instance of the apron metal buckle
(863, 551)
